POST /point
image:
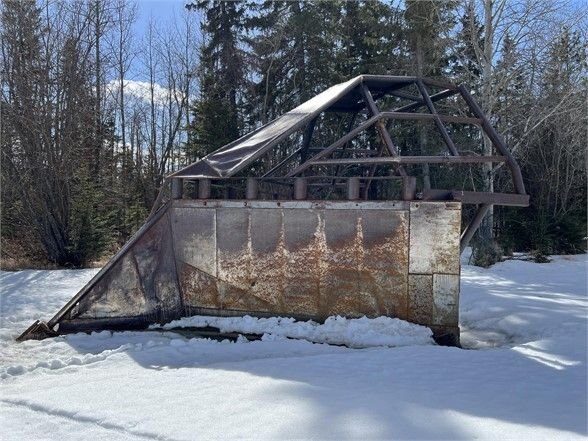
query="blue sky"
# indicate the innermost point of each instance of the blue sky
(160, 10)
(163, 12)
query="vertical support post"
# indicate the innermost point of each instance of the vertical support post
(408, 188)
(194, 189)
(300, 189)
(204, 187)
(353, 188)
(473, 226)
(252, 189)
(177, 188)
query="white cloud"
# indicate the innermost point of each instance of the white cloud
(141, 90)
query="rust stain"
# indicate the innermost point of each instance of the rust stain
(301, 261)
(420, 298)
(318, 262)
(302, 269)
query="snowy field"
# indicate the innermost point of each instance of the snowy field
(523, 377)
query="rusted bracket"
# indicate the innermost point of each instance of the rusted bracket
(37, 331)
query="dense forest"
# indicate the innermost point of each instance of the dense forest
(93, 115)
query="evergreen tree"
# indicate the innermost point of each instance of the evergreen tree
(426, 56)
(293, 45)
(464, 63)
(371, 42)
(217, 118)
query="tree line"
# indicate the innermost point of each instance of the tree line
(94, 116)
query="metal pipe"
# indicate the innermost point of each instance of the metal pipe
(438, 122)
(473, 226)
(408, 188)
(306, 138)
(517, 177)
(335, 145)
(282, 163)
(204, 188)
(380, 127)
(252, 189)
(353, 189)
(420, 103)
(394, 115)
(300, 189)
(177, 188)
(410, 160)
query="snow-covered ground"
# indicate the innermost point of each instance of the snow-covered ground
(356, 333)
(525, 377)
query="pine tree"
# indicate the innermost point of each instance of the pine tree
(217, 117)
(426, 56)
(465, 66)
(371, 35)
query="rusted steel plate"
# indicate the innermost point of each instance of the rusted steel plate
(194, 232)
(435, 229)
(384, 261)
(339, 287)
(157, 270)
(420, 298)
(303, 247)
(446, 299)
(267, 257)
(119, 293)
(303, 259)
(298, 261)
(198, 288)
(142, 283)
(233, 256)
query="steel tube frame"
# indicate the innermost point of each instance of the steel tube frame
(410, 160)
(496, 140)
(438, 122)
(391, 85)
(204, 188)
(436, 97)
(367, 124)
(384, 135)
(473, 226)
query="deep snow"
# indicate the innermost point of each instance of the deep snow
(356, 333)
(526, 380)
